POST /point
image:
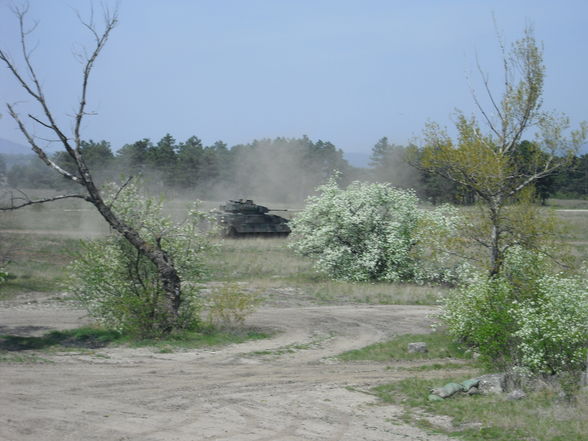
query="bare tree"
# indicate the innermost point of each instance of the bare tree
(82, 176)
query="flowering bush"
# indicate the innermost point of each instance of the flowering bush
(120, 288)
(371, 232)
(553, 328)
(525, 318)
(3, 275)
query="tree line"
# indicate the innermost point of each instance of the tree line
(280, 169)
(277, 170)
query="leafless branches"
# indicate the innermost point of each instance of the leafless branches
(23, 200)
(168, 275)
(33, 88)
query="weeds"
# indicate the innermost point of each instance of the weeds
(229, 305)
(538, 417)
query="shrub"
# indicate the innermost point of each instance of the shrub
(526, 318)
(120, 288)
(3, 275)
(229, 305)
(371, 232)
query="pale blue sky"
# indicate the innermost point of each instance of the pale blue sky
(345, 71)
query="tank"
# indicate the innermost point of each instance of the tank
(244, 218)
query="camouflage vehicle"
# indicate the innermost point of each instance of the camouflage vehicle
(243, 218)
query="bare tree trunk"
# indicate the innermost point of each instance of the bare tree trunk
(495, 251)
(167, 273)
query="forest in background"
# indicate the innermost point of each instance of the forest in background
(280, 170)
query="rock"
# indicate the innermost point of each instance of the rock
(417, 347)
(473, 391)
(491, 384)
(516, 394)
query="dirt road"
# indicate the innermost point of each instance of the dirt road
(286, 388)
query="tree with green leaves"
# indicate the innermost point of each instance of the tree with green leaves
(485, 158)
(133, 157)
(162, 159)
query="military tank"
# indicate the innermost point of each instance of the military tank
(244, 218)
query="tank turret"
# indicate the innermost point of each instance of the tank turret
(243, 218)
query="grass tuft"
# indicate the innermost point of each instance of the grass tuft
(439, 346)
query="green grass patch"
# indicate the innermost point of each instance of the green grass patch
(540, 416)
(439, 345)
(94, 338)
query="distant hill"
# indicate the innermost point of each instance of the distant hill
(12, 148)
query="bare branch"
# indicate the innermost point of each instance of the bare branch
(38, 150)
(34, 89)
(42, 201)
(485, 80)
(168, 276)
(34, 118)
(110, 23)
(122, 187)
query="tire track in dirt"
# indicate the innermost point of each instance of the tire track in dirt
(255, 391)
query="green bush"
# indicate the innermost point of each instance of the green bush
(372, 232)
(526, 318)
(3, 275)
(121, 288)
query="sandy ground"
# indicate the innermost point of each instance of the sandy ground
(229, 393)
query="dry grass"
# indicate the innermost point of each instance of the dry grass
(267, 265)
(40, 239)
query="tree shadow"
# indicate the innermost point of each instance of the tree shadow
(23, 331)
(83, 338)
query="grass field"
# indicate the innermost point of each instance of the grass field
(38, 242)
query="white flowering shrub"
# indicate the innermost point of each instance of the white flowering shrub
(370, 232)
(120, 288)
(553, 328)
(526, 318)
(3, 275)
